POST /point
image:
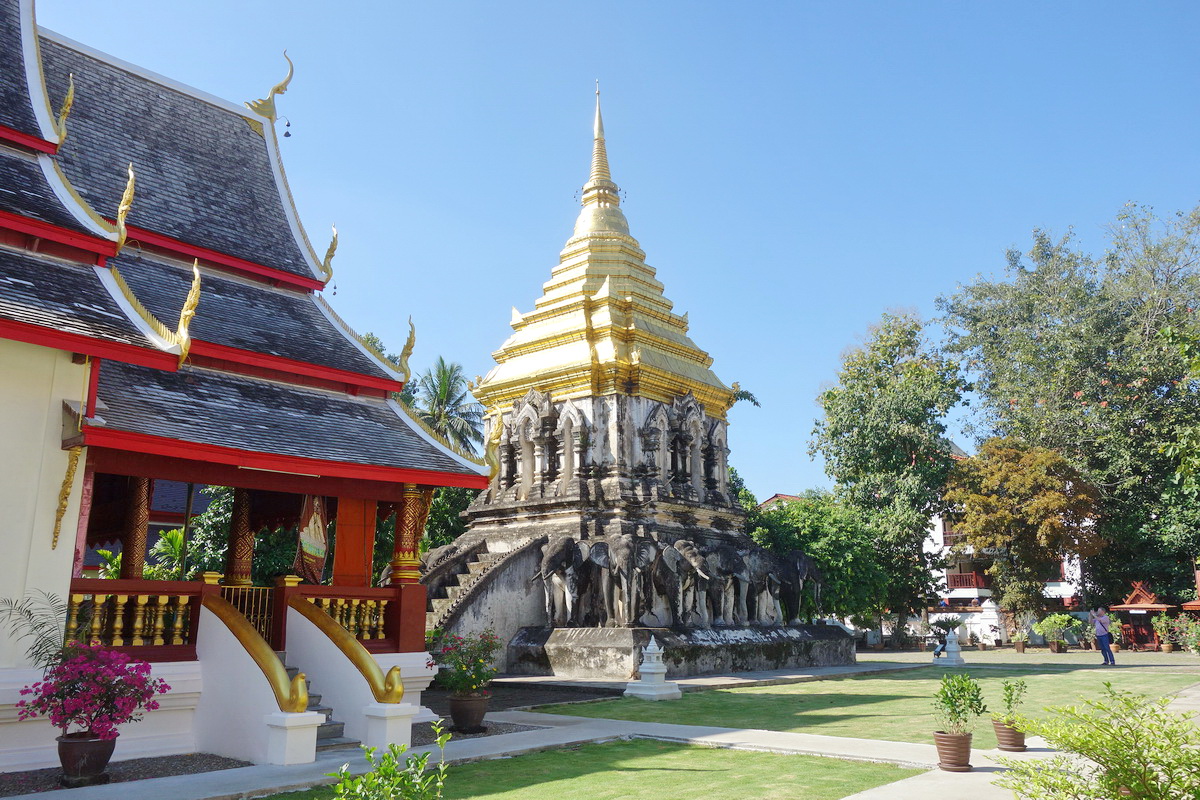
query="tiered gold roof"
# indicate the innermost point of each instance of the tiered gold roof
(602, 325)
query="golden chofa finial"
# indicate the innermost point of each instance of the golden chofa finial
(182, 333)
(327, 263)
(266, 106)
(402, 362)
(60, 124)
(123, 209)
(491, 449)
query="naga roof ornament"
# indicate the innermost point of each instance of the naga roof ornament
(266, 106)
(60, 124)
(123, 208)
(327, 262)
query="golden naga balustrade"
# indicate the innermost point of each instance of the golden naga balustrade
(129, 616)
(385, 688)
(362, 619)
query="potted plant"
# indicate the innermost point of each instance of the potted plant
(1054, 628)
(1020, 638)
(1007, 736)
(466, 669)
(1116, 638)
(1087, 637)
(95, 689)
(957, 704)
(1164, 629)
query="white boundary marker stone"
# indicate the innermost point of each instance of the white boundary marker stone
(653, 684)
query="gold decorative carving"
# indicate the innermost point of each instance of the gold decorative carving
(410, 524)
(386, 688)
(266, 106)
(123, 208)
(327, 262)
(491, 449)
(182, 334)
(290, 695)
(60, 124)
(137, 521)
(409, 344)
(64, 494)
(241, 542)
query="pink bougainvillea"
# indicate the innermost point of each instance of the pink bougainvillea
(94, 688)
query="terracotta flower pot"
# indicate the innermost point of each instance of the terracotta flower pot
(1009, 739)
(84, 759)
(1019, 647)
(1058, 647)
(1167, 647)
(466, 712)
(954, 751)
(1116, 648)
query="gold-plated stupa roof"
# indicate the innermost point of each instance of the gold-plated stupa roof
(602, 325)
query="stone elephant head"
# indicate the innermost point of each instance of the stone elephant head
(559, 569)
(801, 572)
(623, 560)
(728, 584)
(678, 573)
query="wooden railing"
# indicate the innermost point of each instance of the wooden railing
(967, 580)
(373, 616)
(156, 620)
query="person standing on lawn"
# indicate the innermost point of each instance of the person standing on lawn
(1099, 617)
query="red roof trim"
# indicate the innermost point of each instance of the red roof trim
(217, 258)
(25, 140)
(45, 230)
(79, 343)
(288, 365)
(275, 462)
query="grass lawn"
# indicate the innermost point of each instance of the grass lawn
(895, 706)
(645, 768)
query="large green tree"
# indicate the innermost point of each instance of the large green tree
(1066, 352)
(1027, 508)
(444, 403)
(835, 536)
(883, 437)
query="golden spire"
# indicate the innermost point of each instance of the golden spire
(601, 197)
(123, 209)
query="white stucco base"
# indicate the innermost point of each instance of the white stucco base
(168, 731)
(388, 723)
(292, 738)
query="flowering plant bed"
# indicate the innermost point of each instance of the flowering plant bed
(93, 688)
(466, 661)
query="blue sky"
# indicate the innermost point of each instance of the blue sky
(792, 169)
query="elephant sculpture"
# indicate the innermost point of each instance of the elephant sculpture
(559, 569)
(800, 571)
(728, 584)
(678, 575)
(623, 561)
(767, 573)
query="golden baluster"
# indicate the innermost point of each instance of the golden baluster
(179, 631)
(368, 631)
(355, 613)
(73, 610)
(339, 606)
(380, 632)
(160, 611)
(118, 619)
(98, 603)
(139, 619)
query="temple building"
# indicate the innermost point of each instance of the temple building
(161, 323)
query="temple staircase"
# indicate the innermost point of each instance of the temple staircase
(330, 733)
(471, 572)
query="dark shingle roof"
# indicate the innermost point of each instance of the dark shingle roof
(25, 191)
(15, 109)
(203, 175)
(66, 297)
(207, 407)
(245, 315)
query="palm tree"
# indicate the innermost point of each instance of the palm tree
(445, 405)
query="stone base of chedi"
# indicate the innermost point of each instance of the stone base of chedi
(613, 653)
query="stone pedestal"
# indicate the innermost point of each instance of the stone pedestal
(292, 738)
(613, 653)
(653, 685)
(389, 723)
(953, 656)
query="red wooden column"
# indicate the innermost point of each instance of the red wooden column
(355, 544)
(406, 568)
(240, 554)
(137, 518)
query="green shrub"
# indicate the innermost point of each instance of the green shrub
(1055, 627)
(1116, 746)
(958, 703)
(1014, 694)
(388, 780)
